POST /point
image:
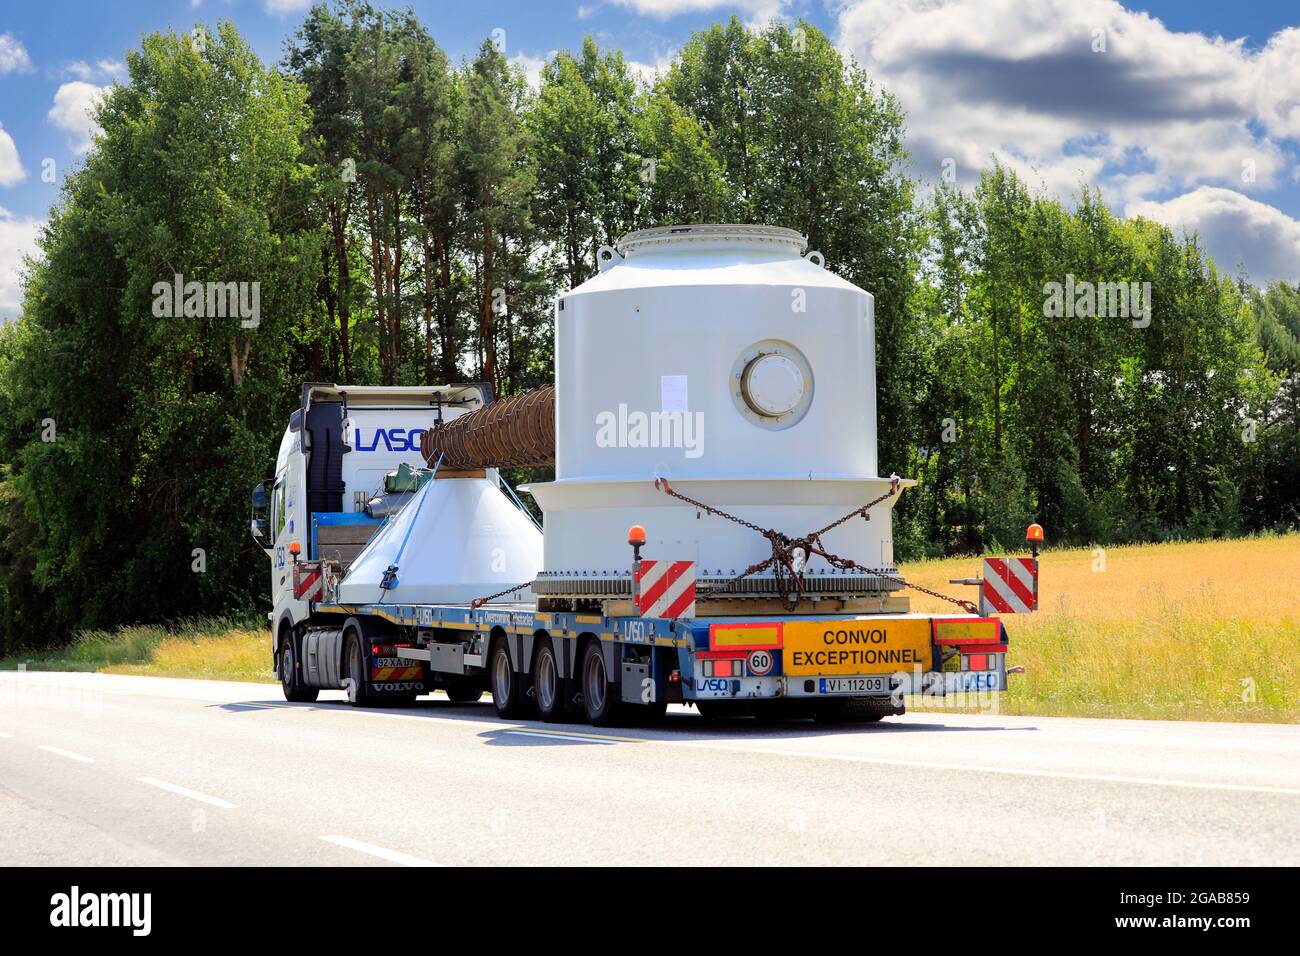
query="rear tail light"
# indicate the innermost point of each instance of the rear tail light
(717, 666)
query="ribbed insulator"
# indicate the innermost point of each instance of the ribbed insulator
(515, 432)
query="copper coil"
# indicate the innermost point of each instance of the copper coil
(516, 432)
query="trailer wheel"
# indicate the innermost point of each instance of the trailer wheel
(855, 710)
(463, 690)
(358, 690)
(723, 709)
(573, 706)
(507, 683)
(550, 686)
(290, 680)
(599, 696)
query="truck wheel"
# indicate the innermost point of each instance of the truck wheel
(463, 690)
(290, 679)
(549, 685)
(722, 709)
(599, 696)
(507, 683)
(358, 688)
(652, 713)
(855, 710)
(573, 706)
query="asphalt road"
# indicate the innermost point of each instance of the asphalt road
(98, 769)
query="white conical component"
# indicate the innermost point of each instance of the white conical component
(463, 540)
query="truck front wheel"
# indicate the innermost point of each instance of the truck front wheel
(290, 678)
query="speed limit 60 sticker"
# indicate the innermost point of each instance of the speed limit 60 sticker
(761, 663)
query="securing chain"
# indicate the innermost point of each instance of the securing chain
(791, 555)
(480, 601)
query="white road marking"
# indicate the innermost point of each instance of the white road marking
(921, 764)
(67, 753)
(936, 765)
(392, 856)
(187, 792)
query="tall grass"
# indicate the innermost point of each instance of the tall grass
(215, 647)
(1192, 630)
(1206, 630)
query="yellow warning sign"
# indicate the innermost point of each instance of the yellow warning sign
(859, 646)
(968, 632)
(747, 636)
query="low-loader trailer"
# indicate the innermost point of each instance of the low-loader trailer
(717, 532)
(559, 657)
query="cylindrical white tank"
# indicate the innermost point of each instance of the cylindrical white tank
(721, 358)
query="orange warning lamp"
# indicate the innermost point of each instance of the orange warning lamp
(295, 549)
(1034, 535)
(636, 538)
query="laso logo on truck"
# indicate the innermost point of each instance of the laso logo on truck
(392, 439)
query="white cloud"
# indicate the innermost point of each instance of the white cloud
(11, 167)
(73, 111)
(532, 67)
(1073, 92)
(1235, 230)
(649, 72)
(1277, 86)
(17, 239)
(282, 7)
(1153, 110)
(13, 55)
(102, 69)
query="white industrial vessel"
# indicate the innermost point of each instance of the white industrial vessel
(729, 361)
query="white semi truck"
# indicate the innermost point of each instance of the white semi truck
(716, 533)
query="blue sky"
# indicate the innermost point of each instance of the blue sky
(1188, 113)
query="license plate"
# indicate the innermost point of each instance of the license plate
(855, 685)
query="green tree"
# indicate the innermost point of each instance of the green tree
(159, 411)
(498, 182)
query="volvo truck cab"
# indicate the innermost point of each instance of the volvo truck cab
(339, 444)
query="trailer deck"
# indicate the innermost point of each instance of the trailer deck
(720, 658)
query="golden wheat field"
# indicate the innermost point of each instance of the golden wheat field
(1206, 630)
(1189, 631)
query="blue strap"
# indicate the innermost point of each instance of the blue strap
(390, 575)
(506, 485)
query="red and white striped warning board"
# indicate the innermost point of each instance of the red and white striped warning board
(1010, 585)
(308, 581)
(665, 589)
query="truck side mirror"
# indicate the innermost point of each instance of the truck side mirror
(260, 524)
